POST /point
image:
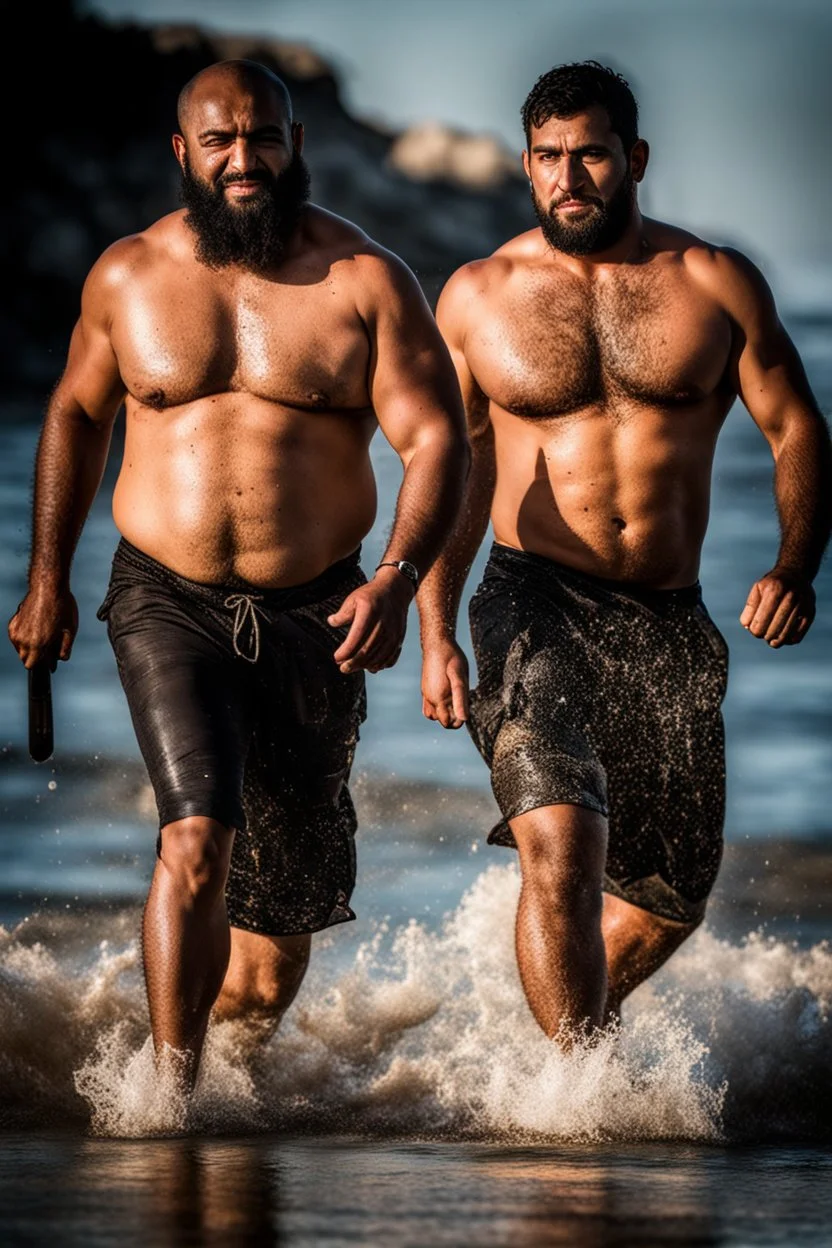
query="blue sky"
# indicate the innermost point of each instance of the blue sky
(735, 95)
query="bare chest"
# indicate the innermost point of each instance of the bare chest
(551, 349)
(189, 336)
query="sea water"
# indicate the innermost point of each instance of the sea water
(409, 1097)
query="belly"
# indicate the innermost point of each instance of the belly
(627, 500)
(234, 486)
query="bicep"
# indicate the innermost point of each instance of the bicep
(413, 387)
(770, 377)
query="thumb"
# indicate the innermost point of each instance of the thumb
(344, 614)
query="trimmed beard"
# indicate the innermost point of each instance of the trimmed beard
(596, 232)
(254, 233)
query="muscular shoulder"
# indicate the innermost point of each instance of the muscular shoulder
(724, 274)
(375, 277)
(467, 288)
(131, 257)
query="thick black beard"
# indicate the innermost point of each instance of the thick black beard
(253, 233)
(594, 233)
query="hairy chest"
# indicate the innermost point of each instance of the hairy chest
(184, 337)
(550, 349)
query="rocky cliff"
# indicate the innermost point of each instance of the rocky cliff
(92, 109)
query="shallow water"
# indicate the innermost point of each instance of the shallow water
(409, 1098)
(349, 1191)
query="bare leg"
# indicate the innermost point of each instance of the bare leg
(637, 944)
(185, 935)
(263, 977)
(560, 950)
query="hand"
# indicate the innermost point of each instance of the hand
(780, 608)
(44, 626)
(445, 684)
(377, 616)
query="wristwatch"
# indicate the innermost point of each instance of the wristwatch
(406, 568)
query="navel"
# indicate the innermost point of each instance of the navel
(619, 523)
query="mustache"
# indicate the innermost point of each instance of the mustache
(256, 175)
(576, 199)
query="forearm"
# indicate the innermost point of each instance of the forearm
(440, 594)
(72, 452)
(803, 492)
(428, 502)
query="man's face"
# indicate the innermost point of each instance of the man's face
(244, 181)
(582, 182)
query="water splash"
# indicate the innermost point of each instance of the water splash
(427, 1034)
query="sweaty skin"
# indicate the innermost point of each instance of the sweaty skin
(251, 398)
(595, 387)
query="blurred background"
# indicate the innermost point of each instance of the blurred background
(413, 132)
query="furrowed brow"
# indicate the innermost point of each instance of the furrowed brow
(553, 149)
(262, 132)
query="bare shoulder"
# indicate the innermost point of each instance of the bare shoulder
(130, 257)
(727, 276)
(481, 279)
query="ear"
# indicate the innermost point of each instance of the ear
(526, 166)
(179, 148)
(639, 157)
(297, 136)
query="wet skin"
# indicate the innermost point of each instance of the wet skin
(595, 387)
(251, 398)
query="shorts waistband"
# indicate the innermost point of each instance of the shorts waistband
(130, 562)
(520, 563)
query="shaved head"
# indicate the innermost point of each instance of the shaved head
(251, 76)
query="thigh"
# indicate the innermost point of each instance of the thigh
(666, 775)
(293, 870)
(189, 703)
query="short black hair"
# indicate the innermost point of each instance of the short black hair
(573, 88)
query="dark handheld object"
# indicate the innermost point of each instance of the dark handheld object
(40, 712)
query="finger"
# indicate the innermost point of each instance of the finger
(459, 695)
(781, 617)
(751, 604)
(799, 630)
(344, 614)
(362, 622)
(766, 610)
(66, 645)
(428, 709)
(365, 650)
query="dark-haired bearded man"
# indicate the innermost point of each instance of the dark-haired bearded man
(598, 356)
(256, 342)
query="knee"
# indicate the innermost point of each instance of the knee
(264, 990)
(561, 873)
(195, 853)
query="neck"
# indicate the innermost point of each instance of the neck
(630, 248)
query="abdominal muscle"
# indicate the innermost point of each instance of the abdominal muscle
(625, 499)
(236, 487)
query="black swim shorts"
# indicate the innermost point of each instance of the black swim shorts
(601, 694)
(242, 716)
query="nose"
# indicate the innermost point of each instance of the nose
(241, 156)
(570, 172)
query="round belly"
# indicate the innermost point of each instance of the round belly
(234, 487)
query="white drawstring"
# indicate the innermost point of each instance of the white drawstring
(246, 609)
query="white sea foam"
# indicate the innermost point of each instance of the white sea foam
(427, 1034)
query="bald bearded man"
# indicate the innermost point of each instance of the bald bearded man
(598, 357)
(256, 342)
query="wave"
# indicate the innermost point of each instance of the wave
(425, 1034)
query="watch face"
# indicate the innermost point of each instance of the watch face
(409, 570)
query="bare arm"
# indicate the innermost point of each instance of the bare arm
(71, 455)
(772, 384)
(445, 669)
(416, 399)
